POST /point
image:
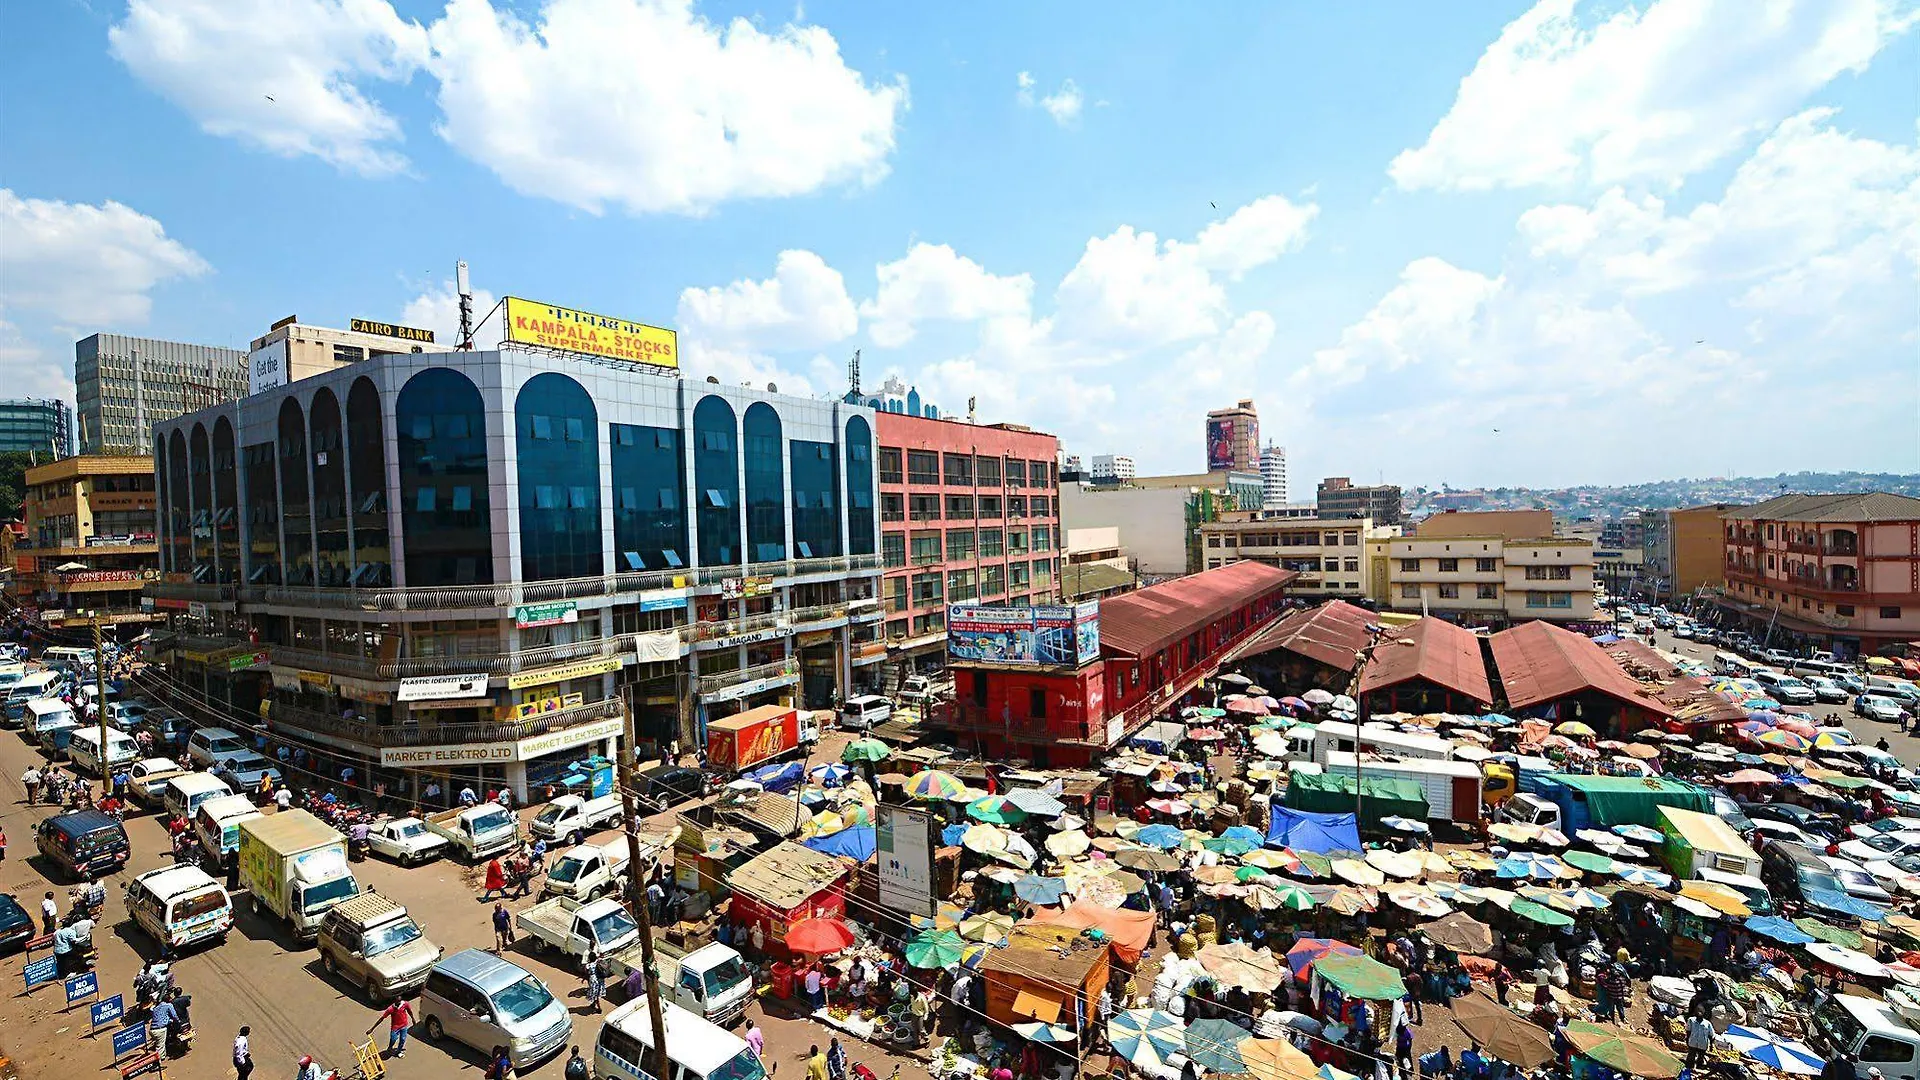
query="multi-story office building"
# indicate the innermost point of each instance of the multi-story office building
(1622, 570)
(1834, 570)
(1624, 532)
(968, 513)
(125, 385)
(1273, 477)
(1233, 438)
(1338, 497)
(1327, 554)
(467, 562)
(1159, 517)
(1682, 550)
(291, 350)
(1492, 580)
(32, 425)
(1111, 469)
(88, 548)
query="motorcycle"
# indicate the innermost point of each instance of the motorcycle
(150, 985)
(179, 1034)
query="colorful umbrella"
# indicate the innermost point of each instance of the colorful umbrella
(1145, 859)
(985, 839)
(935, 949)
(1146, 1037)
(1587, 860)
(1786, 740)
(1771, 1050)
(1045, 1033)
(1036, 803)
(1358, 872)
(1639, 833)
(1420, 902)
(1293, 897)
(1461, 933)
(1239, 964)
(866, 750)
(1545, 916)
(1779, 929)
(1530, 865)
(987, 926)
(1501, 1033)
(934, 785)
(995, 809)
(1065, 845)
(1274, 1059)
(1622, 1051)
(818, 936)
(1406, 825)
(1306, 950)
(1640, 875)
(1574, 729)
(1830, 933)
(1828, 739)
(1271, 859)
(1040, 890)
(1721, 898)
(1172, 807)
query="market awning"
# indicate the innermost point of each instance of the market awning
(1040, 1007)
(1361, 976)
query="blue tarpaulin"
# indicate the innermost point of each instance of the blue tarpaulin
(784, 776)
(950, 836)
(1318, 833)
(856, 843)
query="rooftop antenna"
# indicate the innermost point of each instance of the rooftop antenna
(973, 404)
(853, 374)
(465, 289)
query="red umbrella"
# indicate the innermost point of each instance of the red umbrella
(818, 936)
(1250, 706)
(1305, 951)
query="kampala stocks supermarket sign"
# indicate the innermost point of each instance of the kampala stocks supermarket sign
(533, 323)
(1046, 634)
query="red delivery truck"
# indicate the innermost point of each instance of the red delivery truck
(747, 739)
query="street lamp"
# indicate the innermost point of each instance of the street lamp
(1376, 637)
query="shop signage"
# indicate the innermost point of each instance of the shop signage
(361, 690)
(285, 679)
(196, 609)
(194, 656)
(728, 641)
(663, 599)
(387, 329)
(903, 847)
(747, 689)
(534, 746)
(442, 688)
(1040, 635)
(579, 669)
(168, 603)
(740, 588)
(246, 659)
(532, 323)
(816, 637)
(527, 616)
(317, 681)
(652, 648)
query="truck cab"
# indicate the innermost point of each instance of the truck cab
(713, 980)
(572, 817)
(1870, 1033)
(1527, 808)
(570, 927)
(478, 832)
(587, 872)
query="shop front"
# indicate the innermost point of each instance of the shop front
(522, 765)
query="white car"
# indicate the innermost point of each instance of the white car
(406, 841)
(1871, 829)
(1683, 631)
(1857, 881)
(1883, 846)
(1827, 690)
(1784, 830)
(1874, 707)
(1902, 873)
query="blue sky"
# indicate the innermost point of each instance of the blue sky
(1493, 243)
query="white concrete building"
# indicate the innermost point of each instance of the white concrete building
(1273, 476)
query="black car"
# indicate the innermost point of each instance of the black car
(87, 844)
(671, 784)
(1811, 821)
(16, 926)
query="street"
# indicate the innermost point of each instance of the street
(261, 978)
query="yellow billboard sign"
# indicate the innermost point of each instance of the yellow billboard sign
(579, 669)
(532, 323)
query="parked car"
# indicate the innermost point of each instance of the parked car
(1883, 846)
(243, 771)
(670, 785)
(1807, 820)
(1855, 879)
(16, 926)
(1793, 834)
(1874, 707)
(406, 841)
(1827, 690)
(1869, 830)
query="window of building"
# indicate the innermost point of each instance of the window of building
(993, 580)
(897, 596)
(1409, 566)
(923, 467)
(897, 628)
(989, 506)
(1409, 591)
(1016, 473)
(1449, 592)
(348, 354)
(1330, 540)
(1016, 507)
(890, 465)
(1536, 573)
(442, 424)
(1016, 541)
(926, 589)
(766, 497)
(926, 549)
(716, 476)
(930, 623)
(859, 487)
(1843, 609)
(1037, 474)
(1018, 577)
(560, 532)
(960, 587)
(959, 544)
(1350, 539)
(987, 471)
(1042, 539)
(1352, 566)
(991, 544)
(816, 499)
(1449, 566)
(1889, 612)
(1485, 566)
(893, 549)
(893, 507)
(649, 507)
(959, 469)
(960, 507)
(1487, 592)
(1559, 599)
(366, 488)
(1559, 573)
(923, 507)
(1213, 540)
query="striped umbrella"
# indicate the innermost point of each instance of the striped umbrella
(996, 810)
(1147, 1037)
(1785, 740)
(934, 785)
(1773, 1051)
(1828, 739)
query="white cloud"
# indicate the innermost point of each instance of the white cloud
(736, 367)
(1645, 95)
(933, 282)
(81, 265)
(437, 308)
(644, 106)
(803, 306)
(288, 76)
(1255, 234)
(1064, 104)
(1429, 314)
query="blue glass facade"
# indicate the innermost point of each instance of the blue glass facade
(649, 500)
(859, 442)
(329, 492)
(367, 460)
(816, 500)
(442, 430)
(766, 485)
(716, 482)
(558, 442)
(296, 506)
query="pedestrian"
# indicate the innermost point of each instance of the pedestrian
(496, 881)
(399, 1017)
(283, 798)
(243, 1053)
(502, 927)
(596, 976)
(756, 1040)
(816, 1063)
(816, 998)
(499, 1064)
(49, 914)
(3, 844)
(836, 1060)
(31, 780)
(1699, 1040)
(1403, 1049)
(576, 1067)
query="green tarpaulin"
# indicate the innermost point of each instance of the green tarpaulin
(1361, 977)
(1328, 793)
(1626, 800)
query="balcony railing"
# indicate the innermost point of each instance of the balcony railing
(372, 734)
(720, 680)
(817, 613)
(501, 596)
(411, 666)
(746, 624)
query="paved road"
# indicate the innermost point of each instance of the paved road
(262, 978)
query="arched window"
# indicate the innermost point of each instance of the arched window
(716, 482)
(179, 502)
(226, 502)
(766, 489)
(816, 500)
(442, 428)
(329, 492)
(163, 504)
(649, 498)
(367, 488)
(200, 477)
(559, 450)
(296, 506)
(860, 532)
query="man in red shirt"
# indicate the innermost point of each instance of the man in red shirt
(399, 1016)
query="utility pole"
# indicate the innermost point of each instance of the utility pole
(637, 889)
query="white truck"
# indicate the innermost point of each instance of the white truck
(1334, 736)
(568, 926)
(295, 865)
(1455, 790)
(477, 832)
(712, 980)
(587, 872)
(571, 817)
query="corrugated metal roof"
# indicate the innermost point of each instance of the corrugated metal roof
(1539, 662)
(1082, 579)
(1853, 506)
(774, 814)
(785, 875)
(1142, 623)
(1329, 634)
(1442, 653)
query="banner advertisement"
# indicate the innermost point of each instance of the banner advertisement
(662, 599)
(267, 366)
(561, 673)
(527, 616)
(532, 323)
(361, 690)
(1048, 634)
(1219, 444)
(392, 330)
(903, 848)
(740, 588)
(442, 687)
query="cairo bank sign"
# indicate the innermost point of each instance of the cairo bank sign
(527, 749)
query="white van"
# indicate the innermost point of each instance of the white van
(1726, 663)
(84, 749)
(864, 712)
(179, 906)
(39, 684)
(217, 824)
(184, 794)
(11, 671)
(213, 746)
(1869, 1032)
(46, 712)
(697, 1050)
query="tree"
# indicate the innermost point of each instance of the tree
(13, 483)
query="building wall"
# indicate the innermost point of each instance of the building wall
(1490, 578)
(29, 425)
(1112, 468)
(1549, 579)
(124, 385)
(952, 510)
(97, 512)
(1273, 477)
(313, 350)
(1243, 438)
(1152, 521)
(1329, 555)
(1855, 583)
(1696, 548)
(1511, 524)
(1338, 496)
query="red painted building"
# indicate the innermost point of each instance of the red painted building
(1156, 646)
(968, 513)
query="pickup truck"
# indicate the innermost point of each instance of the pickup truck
(406, 841)
(587, 872)
(568, 926)
(712, 980)
(571, 817)
(477, 832)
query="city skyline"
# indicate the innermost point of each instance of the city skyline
(1380, 267)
